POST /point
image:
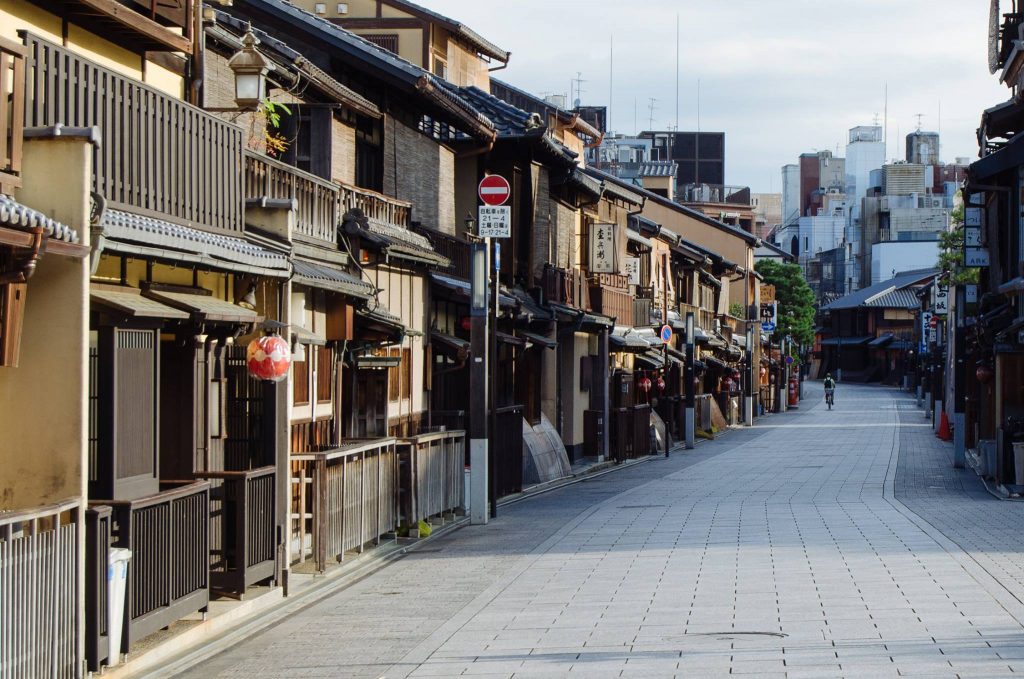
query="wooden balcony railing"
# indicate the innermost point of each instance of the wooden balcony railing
(641, 311)
(242, 544)
(610, 296)
(431, 468)
(455, 249)
(344, 498)
(317, 217)
(12, 85)
(704, 318)
(169, 572)
(566, 286)
(157, 153)
(39, 592)
(375, 205)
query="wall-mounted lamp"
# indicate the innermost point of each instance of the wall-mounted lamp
(250, 69)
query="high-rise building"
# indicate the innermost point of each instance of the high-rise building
(700, 156)
(923, 148)
(790, 192)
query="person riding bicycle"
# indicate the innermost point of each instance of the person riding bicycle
(830, 389)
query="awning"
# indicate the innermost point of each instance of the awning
(305, 336)
(326, 277)
(588, 321)
(462, 287)
(130, 302)
(626, 339)
(633, 236)
(845, 341)
(716, 363)
(529, 308)
(127, 233)
(383, 320)
(881, 340)
(203, 307)
(649, 360)
(450, 346)
(378, 361)
(538, 340)
(401, 243)
(506, 338)
(740, 341)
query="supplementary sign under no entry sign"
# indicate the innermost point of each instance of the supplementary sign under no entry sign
(494, 219)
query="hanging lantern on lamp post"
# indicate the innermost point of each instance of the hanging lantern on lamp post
(269, 357)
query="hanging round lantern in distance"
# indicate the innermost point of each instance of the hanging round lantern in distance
(645, 383)
(268, 358)
(660, 383)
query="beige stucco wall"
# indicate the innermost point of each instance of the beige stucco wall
(43, 456)
(466, 68)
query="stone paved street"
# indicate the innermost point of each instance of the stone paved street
(818, 544)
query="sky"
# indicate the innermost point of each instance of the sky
(779, 77)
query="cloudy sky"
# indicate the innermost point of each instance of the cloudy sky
(779, 77)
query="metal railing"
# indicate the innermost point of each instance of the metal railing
(157, 153)
(432, 470)
(12, 84)
(374, 205)
(242, 539)
(343, 499)
(317, 199)
(39, 592)
(169, 572)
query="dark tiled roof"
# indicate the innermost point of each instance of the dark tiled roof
(330, 278)
(876, 295)
(897, 299)
(17, 216)
(396, 241)
(167, 240)
(394, 67)
(508, 120)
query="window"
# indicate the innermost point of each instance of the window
(308, 133)
(394, 377)
(440, 67)
(388, 41)
(320, 8)
(342, 8)
(369, 155)
(406, 373)
(807, 245)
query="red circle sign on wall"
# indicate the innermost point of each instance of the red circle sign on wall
(494, 190)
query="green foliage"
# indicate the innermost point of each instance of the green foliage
(736, 310)
(425, 529)
(951, 251)
(795, 300)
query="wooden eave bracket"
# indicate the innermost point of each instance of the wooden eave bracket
(141, 24)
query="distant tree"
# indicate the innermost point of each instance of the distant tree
(951, 251)
(795, 300)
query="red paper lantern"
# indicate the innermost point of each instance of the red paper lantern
(984, 373)
(466, 323)
(660, 383)
(645, 383)
(727, 385)
(268, 358)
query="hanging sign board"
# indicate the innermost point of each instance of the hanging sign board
(767, 293)
(971, 294)
(768, 317)
(494, 221)
(972, 216)
(972, 237)
(631, 267)
(976, 257)
(602, 248)
(940, 298)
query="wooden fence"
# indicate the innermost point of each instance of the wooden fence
(39, 592)
(169, 572)
(12, 84)
(157, 153)
(344, 498)
(432, 468)
(243, 548)
(375, 205)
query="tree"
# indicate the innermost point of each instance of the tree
(794, 297)
(951, 251)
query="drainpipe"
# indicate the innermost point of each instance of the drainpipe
(27, 267)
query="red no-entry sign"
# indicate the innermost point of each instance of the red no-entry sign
(493, 190)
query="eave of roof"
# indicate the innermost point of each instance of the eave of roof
(483, 46)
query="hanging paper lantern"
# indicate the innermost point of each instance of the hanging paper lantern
(268, 358)
(645, 383)
(660, 384)
(735, 375)
(727, 385)
(984, 373)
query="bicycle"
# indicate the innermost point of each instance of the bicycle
(830, 397)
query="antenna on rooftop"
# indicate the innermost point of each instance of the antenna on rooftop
(578, 82)
(876, 120)
(919, 116)
(677, 71)
(650, 112)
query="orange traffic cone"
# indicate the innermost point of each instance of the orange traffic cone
(944, 433)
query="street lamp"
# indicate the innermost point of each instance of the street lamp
(250, 69)
(478, 387)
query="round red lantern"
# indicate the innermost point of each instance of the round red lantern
(660, 384)
(644, 383)
(268, 358)
(984, 373)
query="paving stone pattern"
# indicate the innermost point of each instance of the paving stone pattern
(779, 551)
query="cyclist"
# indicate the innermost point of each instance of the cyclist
(830, 390)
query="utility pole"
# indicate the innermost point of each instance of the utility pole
(691, 397)
(959, 376)
(479, 413)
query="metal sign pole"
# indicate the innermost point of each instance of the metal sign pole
(478, 387)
